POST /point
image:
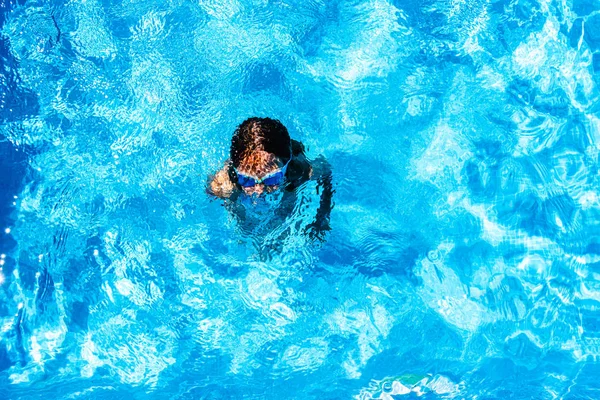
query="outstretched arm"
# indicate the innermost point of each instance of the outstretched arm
(321, 172)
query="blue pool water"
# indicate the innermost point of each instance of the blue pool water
(464, 256)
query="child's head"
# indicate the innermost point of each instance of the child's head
(257, 136)
(259, 147)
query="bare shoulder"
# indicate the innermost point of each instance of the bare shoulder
(303, 168)
(300, 169)
(320, 167)
(221, 185)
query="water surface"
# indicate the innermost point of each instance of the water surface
(464, 255)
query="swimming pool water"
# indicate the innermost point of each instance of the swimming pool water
(464, 256)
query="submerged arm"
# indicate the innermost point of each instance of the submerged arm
(321, 172)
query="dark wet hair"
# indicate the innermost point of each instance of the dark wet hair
(264, 134)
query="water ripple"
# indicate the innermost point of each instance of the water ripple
(464, 252)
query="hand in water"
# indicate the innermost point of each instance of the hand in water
(317, 230)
